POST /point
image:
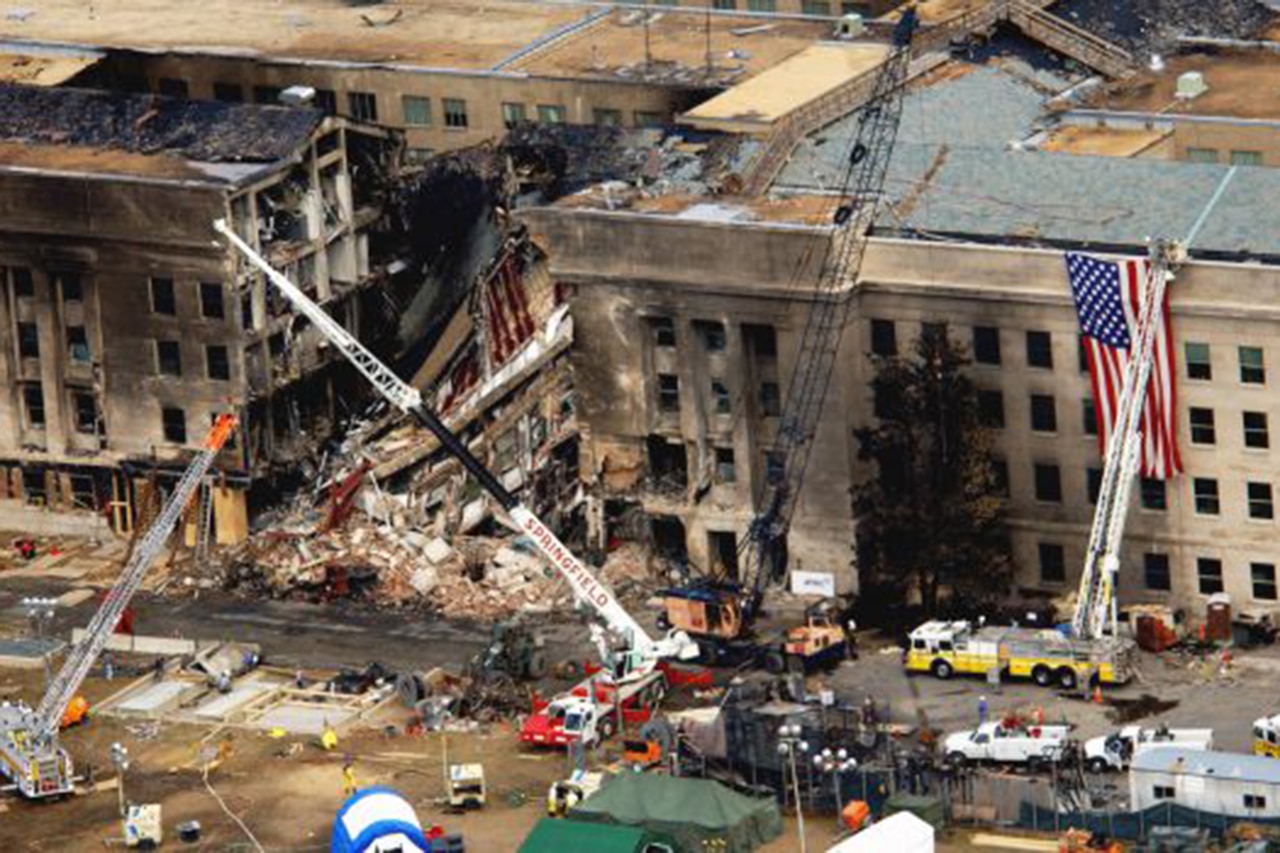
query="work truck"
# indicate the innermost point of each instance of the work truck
(1002, 743)
(592, 711)
(1115, 751)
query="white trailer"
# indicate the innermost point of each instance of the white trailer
(995, 742)
(1221, 783)
(1117, 750)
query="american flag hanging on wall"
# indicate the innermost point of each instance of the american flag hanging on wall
(1108, 300)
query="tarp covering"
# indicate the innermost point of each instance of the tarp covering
(901, 833)
(697, 813)
(377, 820)
(563, 836)
(928, 809)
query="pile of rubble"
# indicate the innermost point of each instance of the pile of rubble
(1154, 26)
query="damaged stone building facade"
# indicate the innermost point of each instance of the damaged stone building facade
(127, 327)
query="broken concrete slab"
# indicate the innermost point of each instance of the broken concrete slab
(437, 550)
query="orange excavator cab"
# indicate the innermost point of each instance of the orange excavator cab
(77, 712)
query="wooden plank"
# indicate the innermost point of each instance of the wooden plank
(230, 515)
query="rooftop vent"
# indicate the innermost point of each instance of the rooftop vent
(298, 96)
(850, 26)
(1191, 85)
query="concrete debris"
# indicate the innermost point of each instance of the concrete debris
(1154, 26)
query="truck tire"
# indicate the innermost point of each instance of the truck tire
(1067, 678)
(1098, 765)
(1042, 675)
(537, 663)
(605, 728)
(957, 759)
(708, 653)
(941, 669)
(1035, 764)
(775, 662)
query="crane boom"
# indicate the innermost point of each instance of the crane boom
(1124, 450)
(861, 190)
(642, 651)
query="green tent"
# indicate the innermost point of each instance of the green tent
(564, 836)
(928, 809)
(692, 811)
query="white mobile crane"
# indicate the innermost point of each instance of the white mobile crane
(639, 653)
(1093, 652)
(30, 755)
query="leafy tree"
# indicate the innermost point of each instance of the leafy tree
(932, 517)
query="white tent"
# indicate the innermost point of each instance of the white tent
(901, 833)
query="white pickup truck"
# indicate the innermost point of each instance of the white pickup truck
(1116, 750)
(1031, 745)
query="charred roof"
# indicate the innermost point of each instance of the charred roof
(202, 131)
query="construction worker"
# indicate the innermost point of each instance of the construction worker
(349, 786)
(982, 709)
(329, 738)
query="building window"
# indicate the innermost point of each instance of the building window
(646, 118)
(33, 401)
(1053, 563)
(1044, 415)
(416, 110)
(1263, 576)
(1082, 355)
(216, 361)
(770, 399)
(162, 297)
(1089, 416)
(725, 4)
(1255, 801)
(455, 112)
(211, 306)
(69, 284)
(1202, 155)
(228, 93)
(1040, 349)
(664, 331)
(174, 422)
(713, 335)
(1252, 369)
(23, 283)
(1202, 428)
(720, 397)
(1048, 483)
(1205, 492)
(884, 338)
(1260, 506)
(172, 87)
(816, 7)
(28, 340)
(762, 5)
(1199, 365)
(775, 468)
(326, 101)
(1246, 158)
(512, 114)
(1255, 430)
(668, 392)
(1209, 575)
(86, 407)
(991, 408)
(606, 118)
(986, 345)
(1093, 483)
(78, 344)
(363, 106)
(1153, 494)
(168, 358)
(1162, 792)
(726, 471)
(762, 341)
(1155, 571)
(1000, 477)
(551, 114)
(266, 94)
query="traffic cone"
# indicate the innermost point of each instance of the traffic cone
(1097, 694)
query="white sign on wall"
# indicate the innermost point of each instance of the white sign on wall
(813, 583)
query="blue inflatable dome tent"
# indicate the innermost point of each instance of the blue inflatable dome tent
(378, 820)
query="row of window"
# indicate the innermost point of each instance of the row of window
(83, 404)
(721, 401)
(1039, 351)
(164, 298)
(217, 362)
(415, 110)
(1157, 574)
(1236, 156)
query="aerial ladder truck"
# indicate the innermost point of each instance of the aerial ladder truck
(1091, 653)
(31, 757)
(718, 612)
(630, 651)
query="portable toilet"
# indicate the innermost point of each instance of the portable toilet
(378, 820)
